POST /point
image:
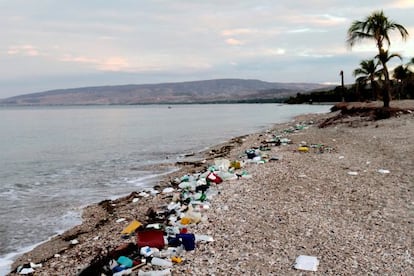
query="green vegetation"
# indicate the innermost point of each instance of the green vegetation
(334, 95)
(366, 75)
(377, 27)
(373, 79)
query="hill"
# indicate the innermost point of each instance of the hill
(204, 91)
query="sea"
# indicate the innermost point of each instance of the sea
(54, 161)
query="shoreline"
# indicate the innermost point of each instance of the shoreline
(11, 257)
(56, 244)
(99, 215)
(185, 164)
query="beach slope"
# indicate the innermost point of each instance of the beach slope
(348, 201)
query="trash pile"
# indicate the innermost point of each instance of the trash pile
(315, 148)
(165, 239)
(28, 269)
(276, 140)
(152, 247)
(280, 138)
(257, 154)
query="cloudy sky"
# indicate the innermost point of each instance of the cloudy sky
(50, 44)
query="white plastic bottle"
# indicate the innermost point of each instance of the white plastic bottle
(161, 262)
(165, 272)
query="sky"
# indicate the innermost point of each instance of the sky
(54, 44)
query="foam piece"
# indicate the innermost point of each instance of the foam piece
(308, 263)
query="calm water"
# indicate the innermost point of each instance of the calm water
(55, 160)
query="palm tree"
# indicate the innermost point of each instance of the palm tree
(367, 72)
(410, 63)
(401, 74)
(404, 77)
(385, 57)
(410, 81)
(377, 27)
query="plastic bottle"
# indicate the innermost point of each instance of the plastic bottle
(200, 196)
(162, 254)
(172, 251)
(161, 262)
(187, 185)
(165, 272)
(123, 272)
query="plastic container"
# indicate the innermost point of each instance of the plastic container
(123, 272)
(212, 177)
(187, 185)
(161, 262)
(303, 149)
(125, 261)
(134, 225)
(251, 153)
(146, 251)
(151, 238)
(195, 217)
(188, 241)
(169, 252)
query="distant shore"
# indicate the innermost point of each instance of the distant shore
(336, 203)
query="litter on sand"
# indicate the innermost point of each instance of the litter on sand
(304, 262)
(383, 171)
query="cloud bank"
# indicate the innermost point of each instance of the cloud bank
(48, 45)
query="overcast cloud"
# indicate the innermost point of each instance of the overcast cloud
(50, 44)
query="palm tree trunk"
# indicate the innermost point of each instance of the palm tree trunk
(373, 89)
(386, 95)
(386, 89)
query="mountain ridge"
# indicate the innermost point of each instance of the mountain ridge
(201, 91)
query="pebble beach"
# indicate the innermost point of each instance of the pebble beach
(347, 200)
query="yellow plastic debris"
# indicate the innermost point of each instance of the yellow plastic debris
(131, 227)
(303, 149)
(176, 259)
(235, 164)
(185, 221)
